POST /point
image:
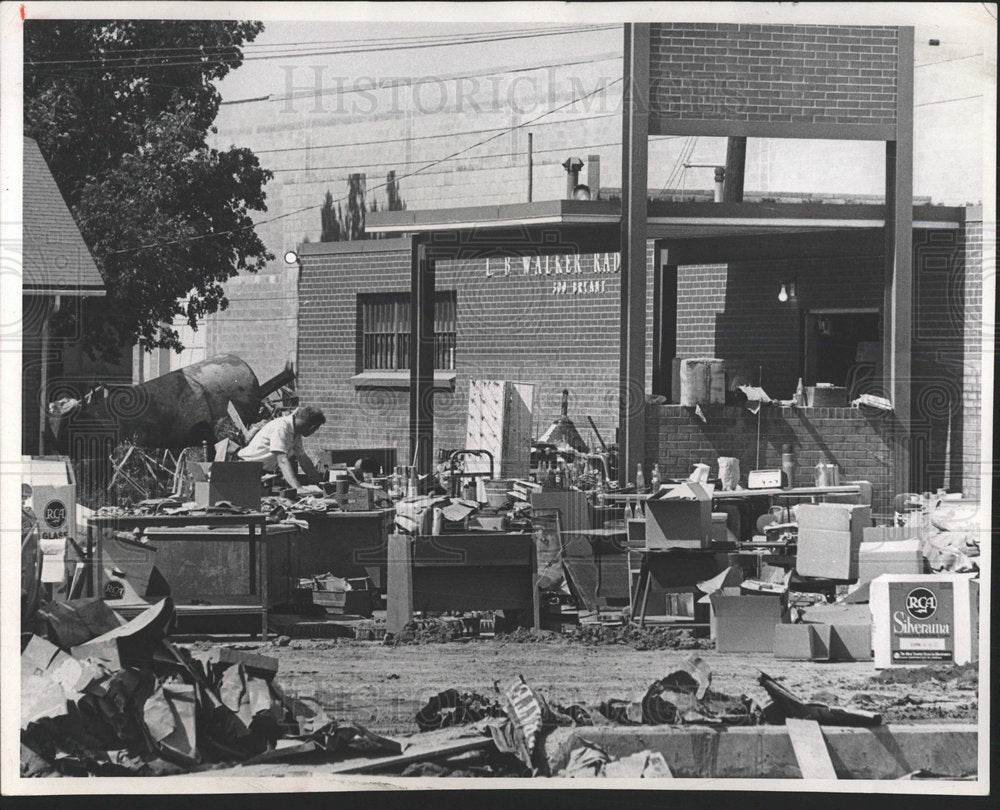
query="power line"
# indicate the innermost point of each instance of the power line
(105, 64)
(955, 59)
(380, 185)
(339, 91)
(391, 163)
(422, 137)
(946, 100)
(193, 51)
(274, 45)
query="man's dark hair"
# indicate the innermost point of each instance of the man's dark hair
(311, 417)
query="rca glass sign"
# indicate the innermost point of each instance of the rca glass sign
(55, 514)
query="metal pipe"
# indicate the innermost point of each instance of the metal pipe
(594, 176)
(531, 164)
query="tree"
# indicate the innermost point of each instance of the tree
(330, 226)
(355, 221)
(334, 228)
(395, 202)
(121, 110)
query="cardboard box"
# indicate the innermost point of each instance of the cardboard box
(829, 539)
(892, 534)
(237, 482)
(746, 623)
(802, 642)
(892, 557)
(49, 487)
(925, 619)
(680, 517)
(850, 642)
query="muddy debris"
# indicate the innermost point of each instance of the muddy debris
(966, 676)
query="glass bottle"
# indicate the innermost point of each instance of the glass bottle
(640, 479)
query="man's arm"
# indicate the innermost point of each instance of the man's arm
(311, 473)
(287, 470)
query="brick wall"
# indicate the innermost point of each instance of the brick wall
(859, 445)
(974, 460)
(733, 312)
(773, 73)
(515, 324)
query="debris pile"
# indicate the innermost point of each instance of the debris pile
(103, 697)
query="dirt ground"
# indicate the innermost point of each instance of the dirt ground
(382, 687)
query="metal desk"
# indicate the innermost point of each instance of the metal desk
(256, 523)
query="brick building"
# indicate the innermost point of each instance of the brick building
(587, 294)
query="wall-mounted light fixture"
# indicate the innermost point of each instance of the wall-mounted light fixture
(291, 257)
(787, 291)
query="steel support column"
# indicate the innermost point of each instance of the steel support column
(898, 301)
(635, 144)
(421, 358)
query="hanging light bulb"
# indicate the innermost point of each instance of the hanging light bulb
(783, 294)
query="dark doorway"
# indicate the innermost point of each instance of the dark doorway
(838, 345)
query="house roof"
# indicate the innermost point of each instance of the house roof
(55, 258)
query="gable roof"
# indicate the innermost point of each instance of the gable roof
(55, 258)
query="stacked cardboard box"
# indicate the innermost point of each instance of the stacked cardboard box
(746, 623)
(830, 537)
(680, 517)
(235, 482)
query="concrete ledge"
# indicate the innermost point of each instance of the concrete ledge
(765, 752)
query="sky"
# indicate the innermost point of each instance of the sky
(954, 81)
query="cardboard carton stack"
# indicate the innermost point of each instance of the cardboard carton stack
(830, 537)
(890, 550)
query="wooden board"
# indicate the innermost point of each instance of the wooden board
(810, 749)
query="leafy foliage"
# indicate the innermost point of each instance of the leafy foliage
(334, 228)
(121, 110)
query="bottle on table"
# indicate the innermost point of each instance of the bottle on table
(654, 479)
(640, 479)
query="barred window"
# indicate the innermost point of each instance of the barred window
(384, 330)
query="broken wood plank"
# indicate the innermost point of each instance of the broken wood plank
(411, 755)
(810, 749)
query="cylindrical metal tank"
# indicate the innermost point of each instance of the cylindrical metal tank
(178, 409)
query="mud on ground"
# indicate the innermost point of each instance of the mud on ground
(382, 686)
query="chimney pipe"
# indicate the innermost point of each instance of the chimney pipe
(594, 176)
(572, 166)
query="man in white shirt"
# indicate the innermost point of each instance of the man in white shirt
(280, 440)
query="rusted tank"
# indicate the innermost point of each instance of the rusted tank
(176, 410)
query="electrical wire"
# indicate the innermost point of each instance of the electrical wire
(946, 100)
(340, 91)
(191, 51)
(955, 59)
(113, 63)
(380, 185)
(389, 163)
(423, 137)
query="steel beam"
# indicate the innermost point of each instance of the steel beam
(421, 358)
(635, 145)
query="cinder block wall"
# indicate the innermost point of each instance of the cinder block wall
(774, 73)
(676, 439)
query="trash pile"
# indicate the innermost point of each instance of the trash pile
(103, 697)
(683, 697)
